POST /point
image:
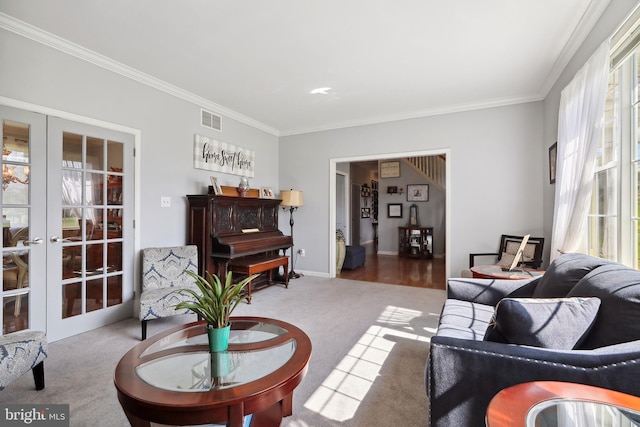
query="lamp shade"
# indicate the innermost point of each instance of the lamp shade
(291, 198)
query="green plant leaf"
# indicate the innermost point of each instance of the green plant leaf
(215, 302)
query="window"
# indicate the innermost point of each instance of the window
(614, 216)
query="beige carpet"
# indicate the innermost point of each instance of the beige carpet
(370, 344)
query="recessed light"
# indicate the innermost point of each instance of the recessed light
(320, 91)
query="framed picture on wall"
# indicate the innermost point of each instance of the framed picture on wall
(394, 210)
(389, 169)
(418, 193)
(553, 158)
(365, 212)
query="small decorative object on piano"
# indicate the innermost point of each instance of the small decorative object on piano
(214, 303)
(215, 186)
(243, 187)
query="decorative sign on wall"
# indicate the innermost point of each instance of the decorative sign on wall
(214, 155)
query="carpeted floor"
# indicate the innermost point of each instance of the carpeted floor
(370, 344)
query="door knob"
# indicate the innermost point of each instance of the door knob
(56, 239)
(35, 241)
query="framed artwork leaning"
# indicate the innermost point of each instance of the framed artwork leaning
(217, 189)
(266, 193)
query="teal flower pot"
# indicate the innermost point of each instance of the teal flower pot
(218, 338)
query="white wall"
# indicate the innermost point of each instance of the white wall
(40, 75)
(496, 170)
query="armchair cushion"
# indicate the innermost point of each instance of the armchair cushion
(557, 323)
(512, 249)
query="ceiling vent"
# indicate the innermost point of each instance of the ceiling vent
(210, 120)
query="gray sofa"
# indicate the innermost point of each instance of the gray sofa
(579, 322)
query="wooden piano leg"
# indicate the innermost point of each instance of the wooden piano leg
(286, 274)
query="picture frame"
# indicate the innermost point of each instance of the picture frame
(365, 212)
(266, 193)
(553, 159)
(389, 169)
(394, 210)
(418, 193)
(217, 189)
(392, 189)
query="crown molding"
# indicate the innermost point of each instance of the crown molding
(587, 23)
(460, 108)
(38, 35)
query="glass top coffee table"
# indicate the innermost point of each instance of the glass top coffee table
(172, 378)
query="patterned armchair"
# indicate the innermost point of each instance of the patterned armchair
(163, 281)
(21, 352)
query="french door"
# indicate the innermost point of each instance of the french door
(24, 165)
(90, 227)
(67, 205)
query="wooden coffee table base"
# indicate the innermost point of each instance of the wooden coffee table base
(270, 417)
(267, 398)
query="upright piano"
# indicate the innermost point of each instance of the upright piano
(228, 228)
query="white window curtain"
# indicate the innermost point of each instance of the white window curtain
(580, 120)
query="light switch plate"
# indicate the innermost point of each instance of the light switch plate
(165, 202)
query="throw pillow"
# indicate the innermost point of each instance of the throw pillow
(564, 273)
(557, 323)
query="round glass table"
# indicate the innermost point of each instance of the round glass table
(172, 378)
(562, 404)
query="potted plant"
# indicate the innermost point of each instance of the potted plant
(215, 303)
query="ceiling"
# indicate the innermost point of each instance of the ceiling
(257, 60)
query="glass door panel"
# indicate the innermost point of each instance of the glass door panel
(15, 225)
(22, 292)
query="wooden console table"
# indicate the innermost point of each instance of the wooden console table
(415, 242)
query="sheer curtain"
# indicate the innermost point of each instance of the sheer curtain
(580, 119)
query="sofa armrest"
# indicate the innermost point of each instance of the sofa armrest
(488, 291)
(463, 376)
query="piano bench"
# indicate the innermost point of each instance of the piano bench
(258, 264)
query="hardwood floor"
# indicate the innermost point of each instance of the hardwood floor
(398, 270)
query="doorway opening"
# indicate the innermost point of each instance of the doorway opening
(386, 237)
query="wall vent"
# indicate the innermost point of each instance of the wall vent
(210, 120)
